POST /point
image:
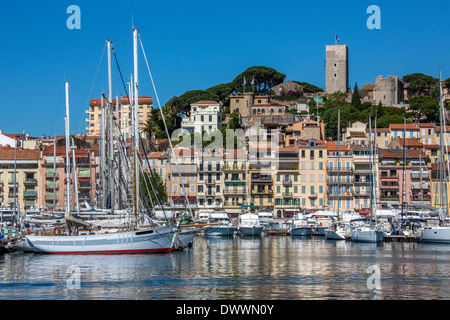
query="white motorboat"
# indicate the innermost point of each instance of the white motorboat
(219, 224)
(367, 234)
(300, 226)
(267, 220)
(250, 225)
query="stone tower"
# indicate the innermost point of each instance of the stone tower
(388, 91)
(337, 68)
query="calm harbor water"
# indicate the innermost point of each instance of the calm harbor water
(268, 268)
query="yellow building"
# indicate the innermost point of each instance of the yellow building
(286, 182)
(19, 177)
(122, 114)
(313, 165)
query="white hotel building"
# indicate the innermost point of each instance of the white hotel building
(205, 116)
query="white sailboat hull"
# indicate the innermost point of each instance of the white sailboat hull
(334, 235)
(436, 234)
(152, 240)
(367, 235)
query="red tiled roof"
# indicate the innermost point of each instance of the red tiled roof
(7, 153)
(158, 155)
(410, 142)
(426, 125)
(409, 126)
(413, 153)
(331, 146)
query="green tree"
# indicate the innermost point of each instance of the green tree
(356, 98)
(420, 84)
(149, 191)
(421, 106)
(265, 78)
(235, 121)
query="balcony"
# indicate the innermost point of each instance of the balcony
(261, 191)
(288, 194)
(287, 182)
(28, 194)
(313, 195)
(416, 175)
(264, 179)
(342, 170)
(390, 197)
(30, 181)
(234, 191)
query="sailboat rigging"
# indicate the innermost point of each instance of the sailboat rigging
(138, 236)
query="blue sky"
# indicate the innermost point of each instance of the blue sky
(198, 44)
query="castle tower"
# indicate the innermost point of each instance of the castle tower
(337, 68)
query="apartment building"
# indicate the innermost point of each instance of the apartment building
(235, 181)
(181, 182)
(261, 178)
(121, 112)
(427, 133)
(340, 177)
(413, 186)
(286, 184)
(19, 177)
(362, 176)
(209, 180)
(158, 161)
(313, 173)
(53, 173)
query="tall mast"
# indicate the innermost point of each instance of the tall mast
(103, 151)
(136, 121)
(67, 120)
(442, 162)
(338, 160)
(404, 168)
(110, 131)
(374, 171)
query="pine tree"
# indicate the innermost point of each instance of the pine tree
(356, 98)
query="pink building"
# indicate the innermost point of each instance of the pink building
(418, 176)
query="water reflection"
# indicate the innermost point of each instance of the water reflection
(277, 268)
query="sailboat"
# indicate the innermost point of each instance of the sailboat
(441, 233)
(369, 233)
(80, 237)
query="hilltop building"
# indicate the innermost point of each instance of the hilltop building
(337, 68)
